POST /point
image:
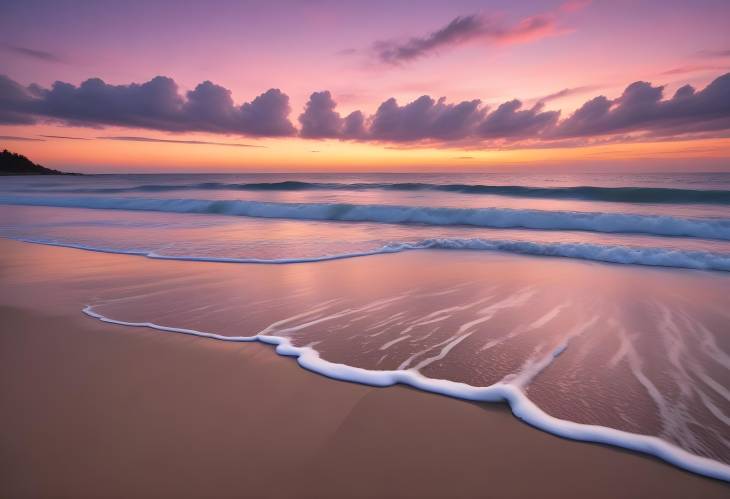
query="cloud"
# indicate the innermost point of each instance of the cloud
(714, 53)
(475, 28)
(641, 108)
(642, 111)
(429, 120)
(354, 126)
(65, 137)
(24, 139)
(210, 108)
(171, 141)
(267, 115)
(510, 121)
(319, 119)
(34, 54)
(15, 101)
(425, 119)
(155, 105)
(693, 68)
(461, 30)
(566, 92)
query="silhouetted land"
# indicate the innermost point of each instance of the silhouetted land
(16, 164)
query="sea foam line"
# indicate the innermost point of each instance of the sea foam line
(502, 218)
(626, 255)
(521, 406)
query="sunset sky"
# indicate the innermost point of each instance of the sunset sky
(377, 85)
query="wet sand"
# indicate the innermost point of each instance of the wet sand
(98, 410)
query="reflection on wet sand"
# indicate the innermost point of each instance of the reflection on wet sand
(640, 350)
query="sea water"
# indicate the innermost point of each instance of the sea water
(596, 305)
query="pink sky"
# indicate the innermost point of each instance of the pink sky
(496, 52)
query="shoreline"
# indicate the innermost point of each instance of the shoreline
(518, 403)
(656, 257)
(97, 407)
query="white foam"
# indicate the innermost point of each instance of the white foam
(393, 342)
(537, 324)
(627, 255)
(521, 406)
(535, 366)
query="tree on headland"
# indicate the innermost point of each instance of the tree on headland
(16, 164)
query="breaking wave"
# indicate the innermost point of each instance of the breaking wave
(656, 225)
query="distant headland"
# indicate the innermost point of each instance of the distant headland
(16, 164)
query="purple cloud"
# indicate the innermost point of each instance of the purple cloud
(14, 103)
(41, 55)
(641, 111)
(155, 105)
(172, 141)
(267, 115)
(424, 119)
(510, 121)
(464, 29)
(64, 137)
(566, 92)
(319, 119)
(354, 126)
(23, 139)
(714, 53)
(691, 68)
(641, 108)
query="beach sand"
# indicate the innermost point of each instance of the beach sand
(99, 410)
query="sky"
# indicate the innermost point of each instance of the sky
(316, 85)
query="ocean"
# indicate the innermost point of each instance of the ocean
(596, 305)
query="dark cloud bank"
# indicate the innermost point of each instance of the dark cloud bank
(642, 110)
(156, 104)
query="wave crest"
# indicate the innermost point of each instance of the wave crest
(503, 218)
